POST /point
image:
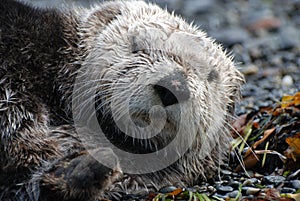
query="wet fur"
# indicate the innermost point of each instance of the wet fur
(41, 52)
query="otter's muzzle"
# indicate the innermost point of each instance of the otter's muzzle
(172, 89)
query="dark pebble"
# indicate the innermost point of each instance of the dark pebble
(226, 178)
(234, 184)
(233, 194)
(224, 189)
(276, 180)
(287, 190)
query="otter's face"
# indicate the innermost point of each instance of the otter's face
(158, 77)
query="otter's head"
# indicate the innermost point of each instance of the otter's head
(157, 77)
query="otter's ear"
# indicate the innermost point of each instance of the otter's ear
(107, 12)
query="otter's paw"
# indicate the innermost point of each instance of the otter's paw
(80, 177)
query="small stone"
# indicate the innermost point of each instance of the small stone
(234, 184)
(295, 184)
(226, 172)
(290, 37)
(255, 52)
(250, 182)
(273, 179)
(267, 23)
(287, 81)
(233, 194)
(250, 70)
(226, 178)
(252, 191)
(276, 60)
(271, 72)
(287, 190)
(224, 189)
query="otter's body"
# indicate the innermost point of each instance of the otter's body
(134, 51)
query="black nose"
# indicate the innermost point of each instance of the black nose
(172, 89)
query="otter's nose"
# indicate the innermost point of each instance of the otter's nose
(172, 89)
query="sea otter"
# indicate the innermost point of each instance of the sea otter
(160, 90)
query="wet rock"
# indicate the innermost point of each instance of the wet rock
(287, 190)
(295, 184)
(234, 184)
(252, 191)
(224, 189)
(276, 180)
(233, 194)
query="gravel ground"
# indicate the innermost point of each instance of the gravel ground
(264, 37)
